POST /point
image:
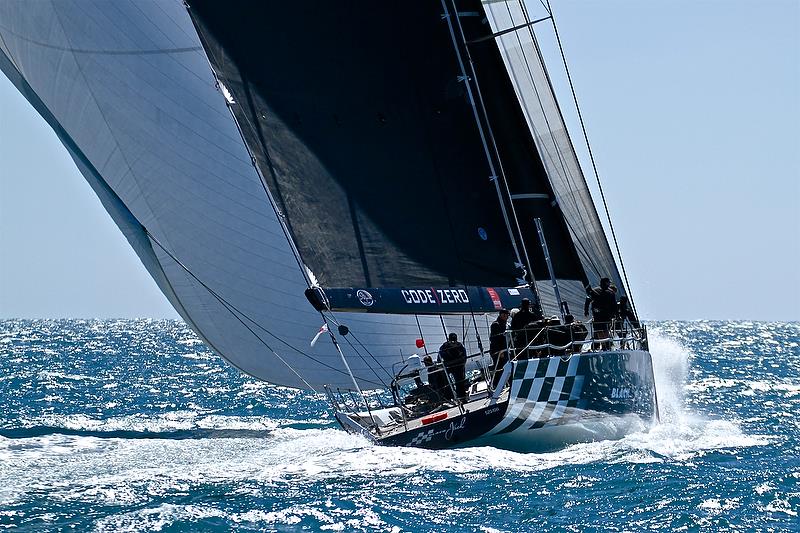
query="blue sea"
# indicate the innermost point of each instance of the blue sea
(133, 425)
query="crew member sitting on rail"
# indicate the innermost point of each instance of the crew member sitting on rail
(498, 345)
(603, 303)
(454, 357)
(578, 333)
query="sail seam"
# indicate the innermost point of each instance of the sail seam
(155, 51)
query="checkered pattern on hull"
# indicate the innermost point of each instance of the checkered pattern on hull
(421, 438)
(542, 391)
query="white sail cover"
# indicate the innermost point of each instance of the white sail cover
(128, 89)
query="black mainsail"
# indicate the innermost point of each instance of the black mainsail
(359, 118)
(366, 136)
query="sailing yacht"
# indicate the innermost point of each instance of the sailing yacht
(371, 176)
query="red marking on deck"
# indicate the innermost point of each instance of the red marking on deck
(433, 418)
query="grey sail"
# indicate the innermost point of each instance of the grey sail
(524, 64)
(233, 220)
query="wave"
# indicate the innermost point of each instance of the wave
(41, 431)
(162, 425)
(127, 459)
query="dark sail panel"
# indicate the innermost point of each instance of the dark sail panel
(366, 137)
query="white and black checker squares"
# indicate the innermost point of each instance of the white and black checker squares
(542, 390)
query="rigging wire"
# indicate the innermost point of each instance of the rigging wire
(349, 333)
(237, 312)
(591, 156)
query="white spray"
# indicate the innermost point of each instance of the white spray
(671, 367)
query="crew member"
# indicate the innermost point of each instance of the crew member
(524, 316)
(437, 380)
(578, 333)
(498, 345)
(454, 357)
(603, 302)
(523, 337)
(624, 312)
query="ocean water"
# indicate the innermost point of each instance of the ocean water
(135, 426)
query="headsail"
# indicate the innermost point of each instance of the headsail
(524, 64)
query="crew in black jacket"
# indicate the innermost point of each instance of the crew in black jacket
(454, 357)
(603, 302)
(524, 316)
(498, 344)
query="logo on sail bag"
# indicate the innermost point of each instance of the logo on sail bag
(365, 298)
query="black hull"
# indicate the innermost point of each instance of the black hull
(450, 432)
(552, 402)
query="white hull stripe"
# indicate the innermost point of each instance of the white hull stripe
(542, 390)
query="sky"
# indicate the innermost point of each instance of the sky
(693, 112)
